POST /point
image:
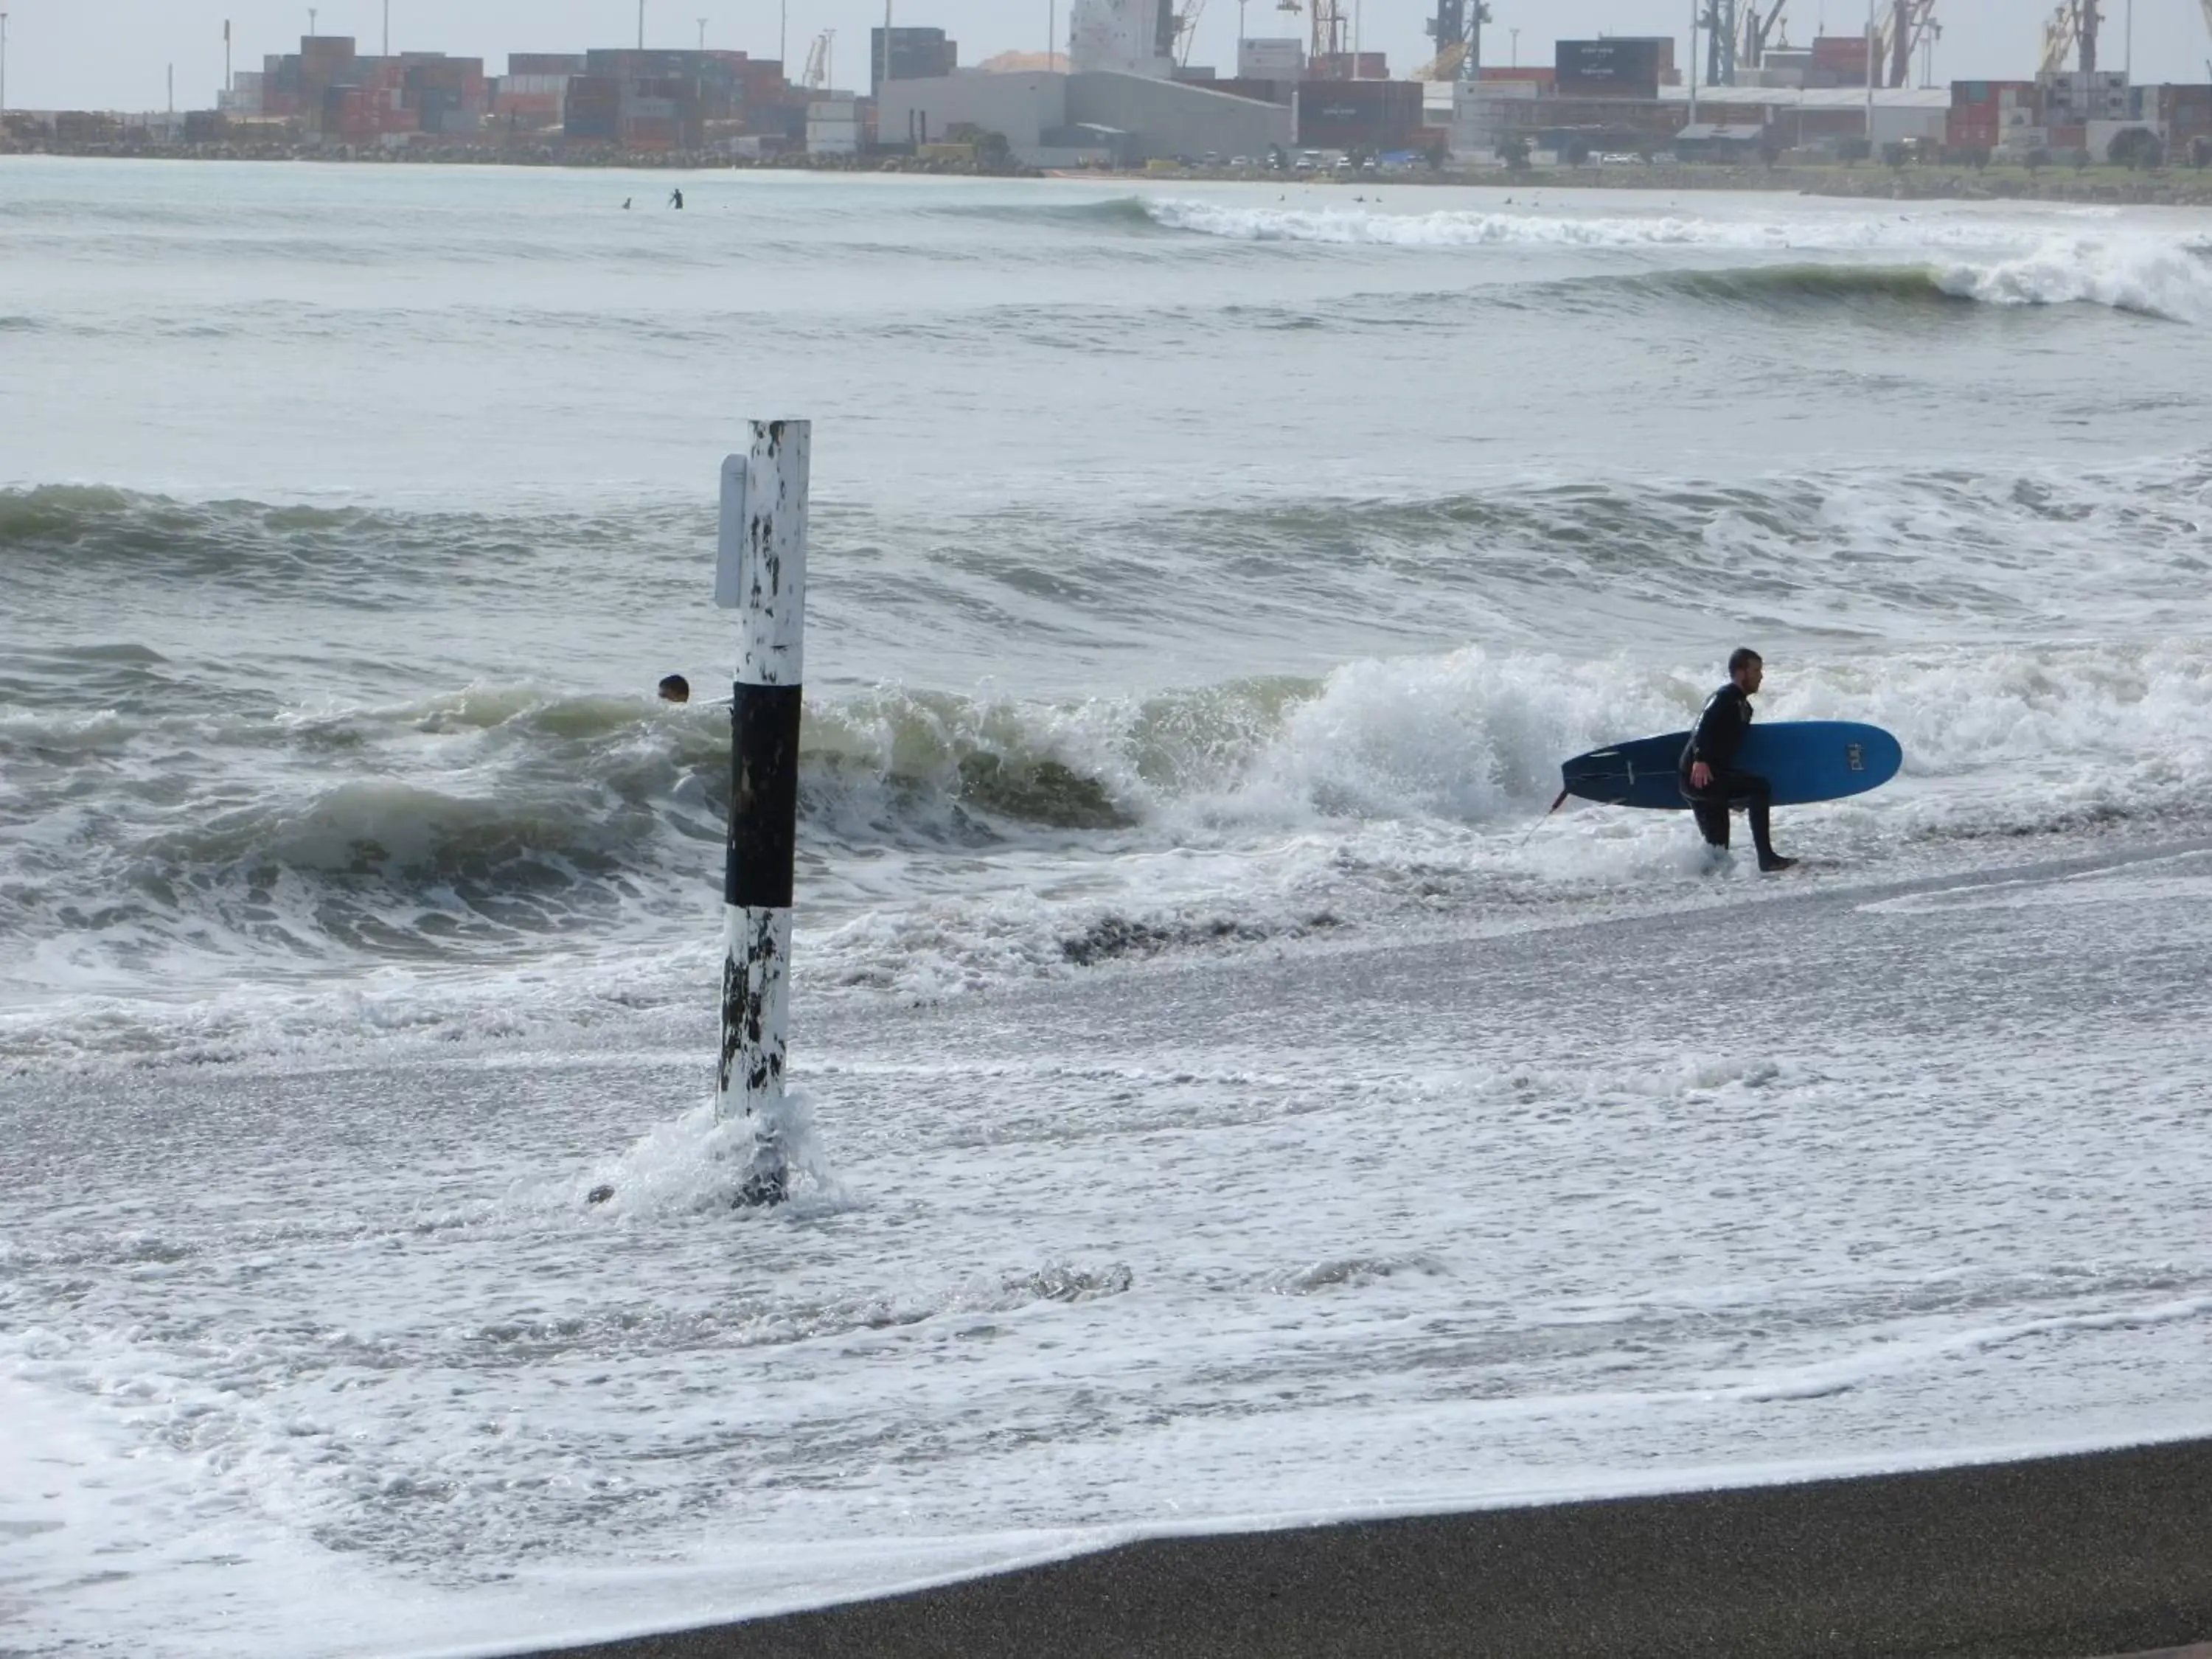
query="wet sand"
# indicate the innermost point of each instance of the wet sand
(2101, 1553)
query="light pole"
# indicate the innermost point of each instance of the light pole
(641, 24)
(1695, 18)
(387, 28)
(3, 63)
(312, 12)
(1872, 40)
(702, 34)
(1515, 33)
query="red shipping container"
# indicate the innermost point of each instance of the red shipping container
(1840, 53)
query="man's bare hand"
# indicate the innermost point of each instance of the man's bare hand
(1701, 775)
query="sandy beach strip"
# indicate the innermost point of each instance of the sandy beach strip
(2099, 1553)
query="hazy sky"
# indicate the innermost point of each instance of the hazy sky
(114, 54)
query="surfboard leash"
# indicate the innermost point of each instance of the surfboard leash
(1548, 811)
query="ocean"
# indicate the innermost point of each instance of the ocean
(1231, 1100)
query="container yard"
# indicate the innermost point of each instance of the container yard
(1126, 94)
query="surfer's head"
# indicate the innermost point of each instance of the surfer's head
(675, 689)
(1746, 668)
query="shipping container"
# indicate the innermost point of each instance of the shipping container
(1348, 66)
(1338, 114)
(1619, 68)
(562, 63)
(1841, 53)
(1271, 59)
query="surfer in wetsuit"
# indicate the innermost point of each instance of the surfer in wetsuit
(674, 688)
(1711, 781)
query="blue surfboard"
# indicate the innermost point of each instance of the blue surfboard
(1804, 760)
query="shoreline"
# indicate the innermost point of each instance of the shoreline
(2095, 1554)
(2102, 186)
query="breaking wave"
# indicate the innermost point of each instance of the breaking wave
(1954, 259)
(1529, 227)
(550, 815)
(165, 818)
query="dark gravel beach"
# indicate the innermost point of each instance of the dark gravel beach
(2061, 1557)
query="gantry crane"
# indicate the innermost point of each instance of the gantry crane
(1186, 28)
(1755, 31)
(1900, 35)
(1720, 42)
(1457, 30)
(2072, 28)
(1327, 40)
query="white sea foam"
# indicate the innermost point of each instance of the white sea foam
(1994, 261)
(2169, 278)
(1859, 231)
(1391, 796)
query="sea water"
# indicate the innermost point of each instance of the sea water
(1229, 1104)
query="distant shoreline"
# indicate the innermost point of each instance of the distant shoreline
(2098, 186)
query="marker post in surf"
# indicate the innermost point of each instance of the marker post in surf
(760, 572)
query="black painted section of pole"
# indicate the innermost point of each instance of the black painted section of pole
(763, 795)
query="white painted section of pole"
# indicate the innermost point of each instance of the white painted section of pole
(760, 572)
(1693, 61)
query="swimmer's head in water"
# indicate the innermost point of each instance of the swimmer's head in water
(675, 689)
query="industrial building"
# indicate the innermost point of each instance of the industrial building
(1102, 116)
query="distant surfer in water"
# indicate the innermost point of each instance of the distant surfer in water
(1711, 782)
(674, 688)
(676, 199)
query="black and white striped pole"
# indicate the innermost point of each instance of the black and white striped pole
(760, 571)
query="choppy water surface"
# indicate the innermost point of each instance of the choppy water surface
(1206, 585)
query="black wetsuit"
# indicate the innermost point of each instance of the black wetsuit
(1719, 734)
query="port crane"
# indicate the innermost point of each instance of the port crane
(1719, 20)
(1326, 34)
(1186, 29)
(2073, 26)
(1899, 35)
(1756, 28)
(817, 76)
(1457, 30)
